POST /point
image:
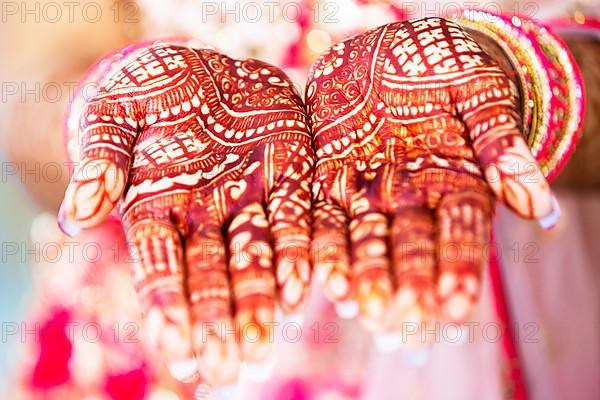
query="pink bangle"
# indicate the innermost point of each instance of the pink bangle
(553, 94)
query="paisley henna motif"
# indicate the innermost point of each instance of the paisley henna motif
(210, 162)
(415, 129)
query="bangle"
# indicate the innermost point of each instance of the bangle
(552, 90)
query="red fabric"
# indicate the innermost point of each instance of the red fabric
(128, 386)
(514, 379)
(52, 366)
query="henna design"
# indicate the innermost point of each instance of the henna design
(409, 119)
(210, 162)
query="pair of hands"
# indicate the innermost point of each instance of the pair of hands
(210, 162)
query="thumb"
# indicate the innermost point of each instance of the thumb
(490, 112)
(95, 188)
(107, 133)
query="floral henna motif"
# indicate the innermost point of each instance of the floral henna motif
(210, 162)
(415, 129)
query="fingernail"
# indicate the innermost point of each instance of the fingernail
(296, 318)
(258, 371)
(372, 309)
(203, 392)
(416, 357)
(225, 392)
(549, 221)
(388, 342)
(219, 362)
(67, 226)
(338, 285)
(183, 370)
(292, 293)
(457, 307)
(347, 309)
(279, 313)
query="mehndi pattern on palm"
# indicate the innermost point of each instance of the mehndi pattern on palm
(416, 129)
(209, 160)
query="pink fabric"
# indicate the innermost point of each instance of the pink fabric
(553, 286)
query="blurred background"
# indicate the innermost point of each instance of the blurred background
(69, 319)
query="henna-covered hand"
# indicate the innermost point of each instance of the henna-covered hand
(209, 160)
(415, 129)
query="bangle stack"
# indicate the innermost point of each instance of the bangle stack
(552, 90)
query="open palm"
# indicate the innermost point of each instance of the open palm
(415, 128)
(209, 160)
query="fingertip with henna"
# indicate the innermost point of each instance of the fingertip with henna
(183, 370)
(256, 330)
(219, 360)
(373, 305)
